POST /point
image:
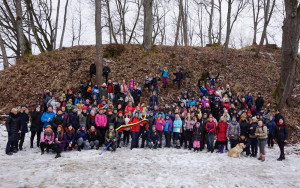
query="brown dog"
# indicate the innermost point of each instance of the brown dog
(236, 151)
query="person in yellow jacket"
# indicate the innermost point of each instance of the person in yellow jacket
(262, 135)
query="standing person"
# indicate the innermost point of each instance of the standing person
(103, 91)
(211, 129)
(136, 95)
(135, 129)
(262, 135)
(155, 81)
(278, 116)
(165, 76)
(197, 137)
(13, 127)
(160, 124)
(91, 120)
(271, 127)
(46, 98)
(148, 82)
(47, 139)
(188, 131)
(212, 79)
(60, 141)
(110, 90)
(118, 123)
(106, 71)
(73, 118)
(252, 137)
(244, 125)
(178, 77)
(177, 129)
(111, 137)
(123, 87)
(249, 100)
(153, 100)
(221, 134)
(144, 129)
(47, 117)
(36, 125)
(24, 125)
(131, 84)
(233, 132)
(92, 70)
(101, 121)
(83, 116)
(126, 131)
(281, 136)
(168, 130)
(259, 102)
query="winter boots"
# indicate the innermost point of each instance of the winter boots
(57, 156)
(221, 149)
(281, 157)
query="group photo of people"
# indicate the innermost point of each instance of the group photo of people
(214, 119)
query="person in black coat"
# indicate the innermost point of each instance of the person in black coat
(106, 70)
(154, 139)
(92, 70)
(36, 125)
(13, 127)
(278, 116)
(119, 121)
(281, 135)
(59, 119)
(136, 93)
(24, 125)
(153, 100)
(243, 139)
(73, 119)
(259, 102)
(179, 76)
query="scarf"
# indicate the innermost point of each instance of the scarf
(91, 116)
(280, 125)
(72, 131)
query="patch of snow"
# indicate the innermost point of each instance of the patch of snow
(145, 168)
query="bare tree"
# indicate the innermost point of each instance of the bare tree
(178, 26)
(256, 7)
(148, 25)
(4, 55)
(220, 22)
(210, 12)
(268, 11)
(240, 7)
(99, 48)
(64, 25)
(19, 22)
(289, 51)
(56, 24)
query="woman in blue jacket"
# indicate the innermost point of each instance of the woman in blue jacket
(177, 126)
(47, 117)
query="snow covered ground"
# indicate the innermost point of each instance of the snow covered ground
(145, 168)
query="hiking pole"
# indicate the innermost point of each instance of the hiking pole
(105, 148)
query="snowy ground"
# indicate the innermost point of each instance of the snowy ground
(145, 168)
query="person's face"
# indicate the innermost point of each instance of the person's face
(59, 112)
(92, 128)
(243, 137)
(136, 115)
(153, 128)
(159, 115)
(260, 123)
(233, 119)
(84, 111)
(59, 129)
(38, 109)
(50, 109)
(83, 128)
(210, 119)
(70, 127)
(111, 127)
(281, 121)
(15, 112)
(23, 109)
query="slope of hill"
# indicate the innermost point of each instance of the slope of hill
(25, 82)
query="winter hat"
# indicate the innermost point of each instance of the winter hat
(109, 110)
(23, 105)
(84, 109)
(132, 78)
(100, 105)
(101, 109)
(104, 85)
(111, 124)
(82, 125)
(120, 112)
(48, 127)
(37, 106)
(69, 104)
(126, 113)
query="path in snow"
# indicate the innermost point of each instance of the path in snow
(145, 168)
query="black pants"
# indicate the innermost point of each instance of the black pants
(126, 137)
(38, 135)
(119, 139)
(45, 145)
(270, 140)
(178, 82)
(10, 146)
(148, 86)
(19, 143)
(188, 139)
(106, 77)
(202, 141)
(56, 148)
(112, 145)
(144, 137)
(168, 139)
(101, 135)
(160, 134)
(247, 150)
(281, 147)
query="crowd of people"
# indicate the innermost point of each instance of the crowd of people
(210, 120)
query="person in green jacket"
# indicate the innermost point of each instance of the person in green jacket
(111, 136)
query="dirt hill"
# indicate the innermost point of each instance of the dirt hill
(25, 82)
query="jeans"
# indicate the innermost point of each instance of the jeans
(126, 137)
(155, 88)
(134, 139)
(253, 145)
(10, 146)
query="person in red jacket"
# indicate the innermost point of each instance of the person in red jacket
(211, 130)
(221, 134)
(110, 90)
(135, 129)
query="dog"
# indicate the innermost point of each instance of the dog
(237, 150)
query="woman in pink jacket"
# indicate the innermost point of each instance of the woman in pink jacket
(160, 124)
(47, 139)
(101, 121)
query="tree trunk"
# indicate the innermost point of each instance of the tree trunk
(228, 30)
(178, 24)
(267, 17)
(220, 22)
(99, 50)
(148, 25)
(211, 15)
(20, 32)
(64, 25)
(4, 55)
(184, 25)
(289, 50)
(56, 24)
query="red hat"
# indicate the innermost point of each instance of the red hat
(120, 112)
(126, 112)
(109, 110)
(84, 109)
(70, 90)
(101, 109)
(132, 78)
(100, 105)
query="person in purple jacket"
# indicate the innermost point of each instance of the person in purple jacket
(60, 141)
(167, 130)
